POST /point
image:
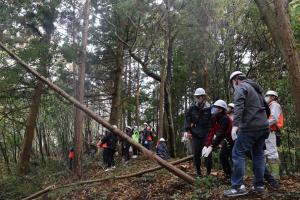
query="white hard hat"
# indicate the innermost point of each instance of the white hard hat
(221, 103)
(231, 105)
(128, 127)
(162, 140)
(236, 73)
(271, 92)
(145, 123)
(199, 91)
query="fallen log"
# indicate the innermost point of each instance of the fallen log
(53, 187)
(39, 193)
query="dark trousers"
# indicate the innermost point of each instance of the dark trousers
(125, 151)
(71, 163)
(267, 174)
(134, 151)
(197, 146)
(226, 158)
(147, 144)
(105, 154)
(110, 157)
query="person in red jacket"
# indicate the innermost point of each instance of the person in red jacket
(220, 136)
(71, 157)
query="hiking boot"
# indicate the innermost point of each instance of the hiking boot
(236, 192)
(258, 189)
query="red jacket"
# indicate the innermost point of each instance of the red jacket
(71, 154)
(221, 127)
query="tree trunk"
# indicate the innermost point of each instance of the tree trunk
(169, 64)
(116, 96)
(137, 98)
(129, 90)
(40, 143)
(46, 147)
(277, 21)
(79, 118)
(3, 149)
(161, 101)
(23, 164)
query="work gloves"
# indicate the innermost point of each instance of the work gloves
(206, 151)
(187, 135)
(234, 132)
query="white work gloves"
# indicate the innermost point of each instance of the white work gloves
(206, 151)
(187, 135)
(234, 132)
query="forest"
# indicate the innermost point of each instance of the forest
(73, 71)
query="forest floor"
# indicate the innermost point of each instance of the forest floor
(160, 184)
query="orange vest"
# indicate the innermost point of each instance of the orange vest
(103, 145)
(279, 124)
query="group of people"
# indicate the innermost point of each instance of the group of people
(248, 127)
(110, 141)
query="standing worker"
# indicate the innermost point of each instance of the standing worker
(276, 123)
(71, 157)
(111, 140)
(197, 125)
(221, 129)
(147, 136)
(250, 117)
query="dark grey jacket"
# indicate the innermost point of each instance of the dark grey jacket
(198, 120)
(249, 111)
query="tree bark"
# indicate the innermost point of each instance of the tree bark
(23, 164)
(277, 21)
(40, 141)
(171, 137)
(116, 96)
(137, 98)
(161, 100)
(79, 118)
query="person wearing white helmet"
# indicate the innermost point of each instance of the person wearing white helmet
(197, 125)
(221, 129)
(230, 110)
(162, 149)
(250, 119)
(276, 123)
(147, 136)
